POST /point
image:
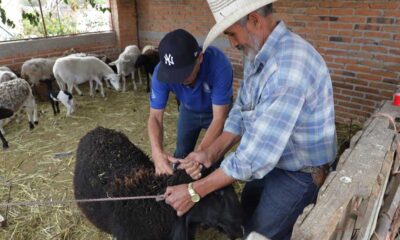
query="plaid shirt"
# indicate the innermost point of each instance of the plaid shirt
(284, 111)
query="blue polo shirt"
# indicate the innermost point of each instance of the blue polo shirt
(213, 85)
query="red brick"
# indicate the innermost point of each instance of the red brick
(378, 35)
(368, 12)
(368, 77)
(342, 11)
(367, 90)
(386, 5)
(383, 86)
(387, 59)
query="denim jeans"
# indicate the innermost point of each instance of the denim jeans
(273, 204)
(188, 129)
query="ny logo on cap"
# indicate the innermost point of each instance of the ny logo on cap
(169, 59)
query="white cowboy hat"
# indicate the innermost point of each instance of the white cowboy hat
(228, 12)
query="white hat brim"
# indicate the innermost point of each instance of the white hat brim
(228, 21)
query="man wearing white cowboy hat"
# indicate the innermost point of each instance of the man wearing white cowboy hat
(283, 120)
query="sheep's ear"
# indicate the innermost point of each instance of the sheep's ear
(5, 113)
(104, 59)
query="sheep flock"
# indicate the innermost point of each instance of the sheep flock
(38, 175)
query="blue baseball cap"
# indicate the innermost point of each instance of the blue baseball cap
(178, 53)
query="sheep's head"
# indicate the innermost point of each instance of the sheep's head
(118, 64)
(114, 80)
(7, 76)
(220, 210)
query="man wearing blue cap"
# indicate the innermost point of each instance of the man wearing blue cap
(202, 82)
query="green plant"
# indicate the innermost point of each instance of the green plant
(53, 26)
(33, 17)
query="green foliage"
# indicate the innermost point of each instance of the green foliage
(33, 18)
(4, 18)
(54, 27)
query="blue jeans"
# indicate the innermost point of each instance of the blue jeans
(188, 129)
(271, 205)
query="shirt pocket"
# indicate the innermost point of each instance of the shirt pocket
(248, 115)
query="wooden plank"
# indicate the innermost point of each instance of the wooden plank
(370, 217)
(388, 211)
(357, 178)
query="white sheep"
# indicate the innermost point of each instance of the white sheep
(7, 75)
(147, 48)
(38, 69)
(14, 95)
(72, 71)
(126, 65)
(4, 68)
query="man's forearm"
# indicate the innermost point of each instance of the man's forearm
(213, 131)
(155, 130)
(222, 145)
(216, 180)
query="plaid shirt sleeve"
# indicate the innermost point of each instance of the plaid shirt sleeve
(268, 129)
(233, 123)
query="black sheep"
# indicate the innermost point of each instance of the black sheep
(109, 165)
(149, 61)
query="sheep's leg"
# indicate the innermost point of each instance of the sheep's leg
(148, 82)
(70, 86)
(123, 83)
(77, 89)
(101, 87)
(134, 80)
(3, 140)
(91, 87)
(53, 106)
(31, 111)
(107, 84)
(35, 113)
(96, 89)
(1, 127)
(140, 76)
(57, 107)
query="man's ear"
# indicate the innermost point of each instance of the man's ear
(254, 20)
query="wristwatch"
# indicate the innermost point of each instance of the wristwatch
(194, 196)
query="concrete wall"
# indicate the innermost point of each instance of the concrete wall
(359, 40)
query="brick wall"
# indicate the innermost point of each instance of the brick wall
(124, 17)
(359, 40)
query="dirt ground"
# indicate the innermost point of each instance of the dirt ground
(29, 170)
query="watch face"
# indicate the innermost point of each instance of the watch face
(195, 198)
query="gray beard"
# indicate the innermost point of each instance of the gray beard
(255, 48)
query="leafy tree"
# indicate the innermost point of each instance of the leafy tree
(34, 17)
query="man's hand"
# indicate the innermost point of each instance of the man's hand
(162, 164)
(200, 157)
(192, 168)
(178, 197)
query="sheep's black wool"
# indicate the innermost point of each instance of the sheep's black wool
(109, 165)
(149, 61)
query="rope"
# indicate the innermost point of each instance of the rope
(158, 198)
